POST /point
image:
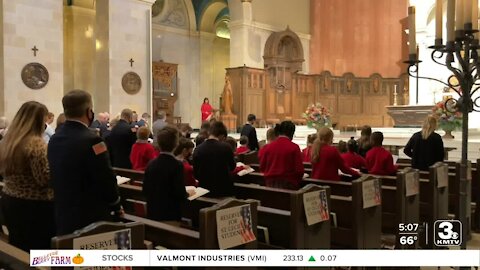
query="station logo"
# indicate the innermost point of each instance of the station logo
(447, 233)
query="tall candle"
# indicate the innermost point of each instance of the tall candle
(459, 22)
(412, 43)
(467, 11)
(451, 20)
(438, 19)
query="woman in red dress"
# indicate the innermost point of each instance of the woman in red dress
(207, 110)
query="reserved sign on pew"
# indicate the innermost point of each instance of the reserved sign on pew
(442, 176)
(315, 206)
(371, 193)
(412, 185)
(234, 226)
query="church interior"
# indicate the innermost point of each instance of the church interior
(379, 63)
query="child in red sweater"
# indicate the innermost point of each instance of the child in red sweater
(326, 160)
(281, 160)
(142, 151)
(183, 152)
(243, 148)
(351, 158)
(307, 152)
(378, 160)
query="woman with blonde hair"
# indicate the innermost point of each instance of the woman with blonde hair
(425, 147)
(326, 160)
(27, 201)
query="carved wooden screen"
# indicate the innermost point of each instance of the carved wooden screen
(165, 89)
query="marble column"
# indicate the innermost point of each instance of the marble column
(241, 33)
(123, 32)
(27, 24)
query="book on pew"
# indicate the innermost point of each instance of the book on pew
(246, 170)
(122, 180)
(395, 159)
(199, 191)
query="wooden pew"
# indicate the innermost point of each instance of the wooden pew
(397, 207)
(176, 237)
(14, 258)
(137, 234)
(350, 232)
(274, 219)
(433, 198)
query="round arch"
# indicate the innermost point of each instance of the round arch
(209, 15)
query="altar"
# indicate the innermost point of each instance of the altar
(409, 115)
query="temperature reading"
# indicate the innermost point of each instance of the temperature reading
(408, 239)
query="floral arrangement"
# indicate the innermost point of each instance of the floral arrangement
(447, 119)
(317, 116)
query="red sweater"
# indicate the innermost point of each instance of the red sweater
(141, 154)
(328, 165)
(380, 161)
(353, 160)
(307, 154)
(188, 174)
(281, 160)
(242, 149)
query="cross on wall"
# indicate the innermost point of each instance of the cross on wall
(131, 62)
(34, 49)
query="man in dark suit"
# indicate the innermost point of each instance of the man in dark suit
(101, 124)
(121, 140)
(249, 131)
(83, 181)
(213, 161)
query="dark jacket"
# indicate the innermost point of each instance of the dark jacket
(212, 163)
(424, 153)
(102, 127)
(84, 184)
(120, 142)
(249, 131)
(164, 188)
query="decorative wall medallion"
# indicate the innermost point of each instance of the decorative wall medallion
(131, 83)
(35, 75)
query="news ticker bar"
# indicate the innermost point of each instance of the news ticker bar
(259, 258)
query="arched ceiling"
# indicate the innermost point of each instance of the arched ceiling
(209, 12)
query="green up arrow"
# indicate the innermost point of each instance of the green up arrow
(312, 259)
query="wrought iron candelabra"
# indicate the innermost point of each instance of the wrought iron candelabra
(461, 58)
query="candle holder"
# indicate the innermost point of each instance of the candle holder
(461, 58)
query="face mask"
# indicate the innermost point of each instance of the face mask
(90, 119)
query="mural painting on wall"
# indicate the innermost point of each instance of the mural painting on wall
(131, 83)
(170, 13)
(35, 75)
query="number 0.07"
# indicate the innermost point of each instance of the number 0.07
(328, 258)
(408, 227)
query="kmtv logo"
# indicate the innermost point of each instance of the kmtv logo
(447, 233)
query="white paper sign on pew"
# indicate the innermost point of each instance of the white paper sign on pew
(371, 193)
(121, 239)
(442, 176)
(469, 171)
(234, 226)
(412, 184)
(315, 205)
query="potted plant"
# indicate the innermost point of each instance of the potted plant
(449, 119)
